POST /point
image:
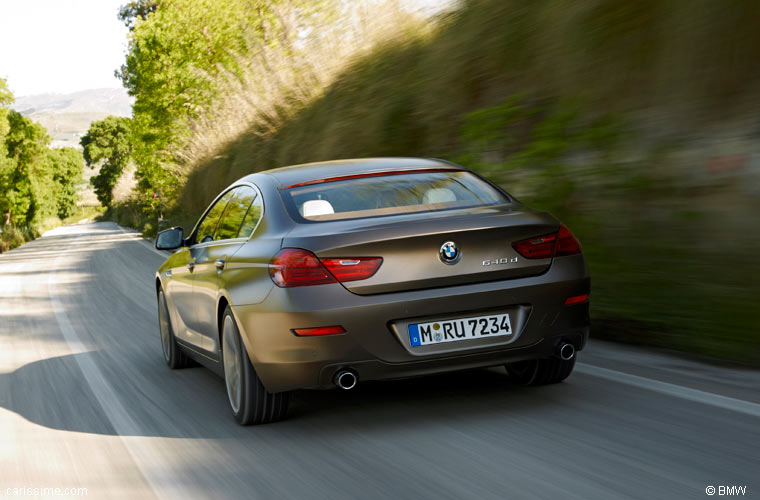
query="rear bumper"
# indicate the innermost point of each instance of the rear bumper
(374, 344)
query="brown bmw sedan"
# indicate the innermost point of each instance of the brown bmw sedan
(330, 274)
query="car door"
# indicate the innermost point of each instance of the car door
(211, 259)
(185, 303)
(179, 294)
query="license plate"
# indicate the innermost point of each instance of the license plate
(453, 330)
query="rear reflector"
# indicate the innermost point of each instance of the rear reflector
(356, 269)
(322, 330)
(558, 244)
(578, 299)
(298, 267)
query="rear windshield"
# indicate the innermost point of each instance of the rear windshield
(390, 195)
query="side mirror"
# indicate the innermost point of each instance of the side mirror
(169, 239)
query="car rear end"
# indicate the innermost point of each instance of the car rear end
(400, 274)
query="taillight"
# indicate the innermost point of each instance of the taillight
(541, 247)
(558, 244)
(567, 243)
(357, 269)
(297, 267)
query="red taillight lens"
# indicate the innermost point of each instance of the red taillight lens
(297, 267)
(357, 269)
(541, 247)
(321, 330)
(577, 299)
(567, 243)
(551, 245)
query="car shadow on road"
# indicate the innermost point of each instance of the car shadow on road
(192, 403)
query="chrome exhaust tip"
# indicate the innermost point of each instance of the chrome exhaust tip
(566, 351)
(346, 380)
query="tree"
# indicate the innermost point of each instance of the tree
(107, 144)
(23, 173)
(66, 165)
(137, 10)
(6, 165)
(178, 51)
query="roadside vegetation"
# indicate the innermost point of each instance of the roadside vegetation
(37, 183)
(610, 114)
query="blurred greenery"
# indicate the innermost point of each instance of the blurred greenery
(602, 112)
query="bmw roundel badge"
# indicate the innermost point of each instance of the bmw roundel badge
(449, 253)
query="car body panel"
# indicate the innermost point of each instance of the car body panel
(208, 281)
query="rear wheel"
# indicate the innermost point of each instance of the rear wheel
(249, 400)
(540, 371)
(173, 353)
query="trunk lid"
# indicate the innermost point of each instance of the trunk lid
(411, 244)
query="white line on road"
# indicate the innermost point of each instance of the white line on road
(145, 456)
(678, 391)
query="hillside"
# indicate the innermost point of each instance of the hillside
(109, 101)
(68, 116)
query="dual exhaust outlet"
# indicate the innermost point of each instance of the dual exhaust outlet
(347, 379)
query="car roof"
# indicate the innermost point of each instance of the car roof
(298, 174)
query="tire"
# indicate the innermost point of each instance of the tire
(174, 356)
(250, 402)
(543, 371)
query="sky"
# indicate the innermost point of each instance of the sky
(63, 46)
(60, 46)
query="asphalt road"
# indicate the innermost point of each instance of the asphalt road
(86, 401)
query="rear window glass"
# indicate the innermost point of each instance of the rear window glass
(390, 195)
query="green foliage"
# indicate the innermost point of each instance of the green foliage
(24, 175)
(36, 183)
(177, 51)
(107, 144)
(67, 165)
(533, 147)
(12, 236)
(135, 11)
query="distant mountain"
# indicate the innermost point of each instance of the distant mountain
(109, 101)
(67, 117)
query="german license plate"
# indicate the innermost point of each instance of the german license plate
(453, 330)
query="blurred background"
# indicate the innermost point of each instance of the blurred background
(636, 123)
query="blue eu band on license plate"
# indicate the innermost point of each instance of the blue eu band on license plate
(453, 330)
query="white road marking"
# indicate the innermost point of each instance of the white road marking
(678, 391)
(147, 459)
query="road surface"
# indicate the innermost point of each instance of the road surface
(86, 401)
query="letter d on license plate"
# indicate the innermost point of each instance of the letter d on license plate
(453, 330)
